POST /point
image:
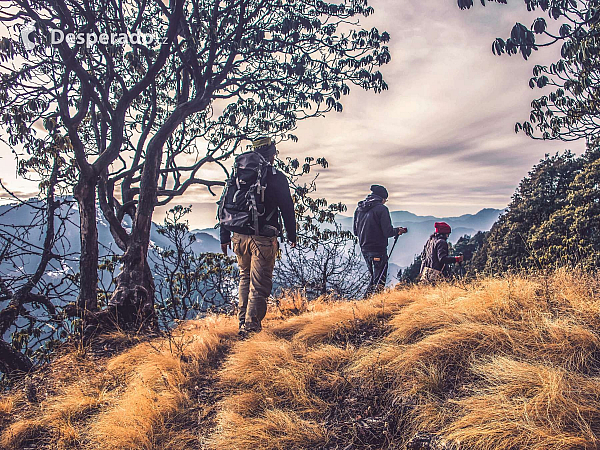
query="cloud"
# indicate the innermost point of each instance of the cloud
(442, 137)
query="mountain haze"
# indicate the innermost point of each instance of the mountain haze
(421, 227)
(207, 240)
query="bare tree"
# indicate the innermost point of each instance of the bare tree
(142, 122)
(334, 267)
(34, 277)
(187, 283)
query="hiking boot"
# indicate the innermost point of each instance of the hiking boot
(253, 328)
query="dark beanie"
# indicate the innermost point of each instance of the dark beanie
(379, 191)
(264, 146)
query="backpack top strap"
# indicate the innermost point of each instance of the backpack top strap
(271, 214)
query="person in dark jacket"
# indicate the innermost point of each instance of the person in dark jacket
(435, 254)
(256, 254)
(373, 227)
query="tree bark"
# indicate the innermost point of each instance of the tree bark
(85, 193)
(12, 360)
(133, 298)
(132, 301)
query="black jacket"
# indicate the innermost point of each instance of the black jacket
(435, 254)
(277, 196)
(373, 225)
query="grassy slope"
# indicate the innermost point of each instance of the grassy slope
(498, 364)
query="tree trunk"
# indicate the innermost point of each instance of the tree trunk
(133, 298)
(12, 360)
(85, 193)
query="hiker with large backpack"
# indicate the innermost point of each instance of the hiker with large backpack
(373, 227)
(435, 254)
(254, 198)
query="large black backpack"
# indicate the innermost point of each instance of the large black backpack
(243, 200)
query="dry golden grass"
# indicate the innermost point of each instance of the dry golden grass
(273, 429)
(509, 363)
(141, 398)
(6, 407)
(505, 363)
(159, 377)
(533, 405)
(20, 433)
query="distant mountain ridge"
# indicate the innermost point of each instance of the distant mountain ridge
(419, 230)
(207, 239)
(421, 227)
(481, 221)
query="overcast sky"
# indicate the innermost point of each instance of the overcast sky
(441, 139)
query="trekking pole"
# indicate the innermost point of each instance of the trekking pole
(388, 260)
(461, 272)
(392, 250)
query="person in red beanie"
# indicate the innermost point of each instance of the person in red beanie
(435, 254)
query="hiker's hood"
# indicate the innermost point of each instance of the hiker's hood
(371, 201)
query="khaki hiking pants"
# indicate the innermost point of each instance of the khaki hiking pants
(256, 259)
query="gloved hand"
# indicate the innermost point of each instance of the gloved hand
(459, 258)
(401, 230)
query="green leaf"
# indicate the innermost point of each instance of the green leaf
(539, 25)
(565, 30)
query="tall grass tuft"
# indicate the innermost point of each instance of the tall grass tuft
(499, 363)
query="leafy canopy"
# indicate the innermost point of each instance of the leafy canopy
(549, 217)
(212, 75)
(572, 110)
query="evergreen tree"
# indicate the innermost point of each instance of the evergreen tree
(468, 247)
(571, 235)
(411, 273)
(540, 194)
(546, 224)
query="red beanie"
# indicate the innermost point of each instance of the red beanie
(442, 228)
